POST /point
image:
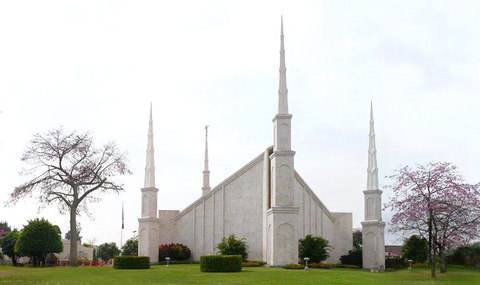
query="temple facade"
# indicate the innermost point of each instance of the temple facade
(266, 202)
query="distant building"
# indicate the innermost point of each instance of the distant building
(83, 251)
(393, 251)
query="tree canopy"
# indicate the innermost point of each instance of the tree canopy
(37, 239)
(107, 251)
(130, 248)
(434, 202)
(66, 168)
(7, 243)
(415, 248)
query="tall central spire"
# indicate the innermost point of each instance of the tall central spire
(150, 163)
(372, 178)
(206, 172)
(282, 88)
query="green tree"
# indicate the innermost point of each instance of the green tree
(130, 247)
(69, 236)
(7, 243)
(357, 239)
(233, 246)
(95, 256)
(315, 248)
(107, 251)
(37, 239)
(415, 248)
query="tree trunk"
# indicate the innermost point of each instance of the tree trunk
(73, 236)
(443, 264)
(14, 260)
(431, 243)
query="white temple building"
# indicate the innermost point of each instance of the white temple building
(266, 202)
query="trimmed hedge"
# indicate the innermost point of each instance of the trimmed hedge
(131, 262)
(221, 263)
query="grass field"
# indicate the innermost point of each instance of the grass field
(190, 274)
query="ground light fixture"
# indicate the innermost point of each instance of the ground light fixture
(167, 259)
(306, 263)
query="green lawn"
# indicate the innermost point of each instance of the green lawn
(190, 274)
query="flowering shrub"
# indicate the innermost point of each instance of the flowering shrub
(176, 251)
(253, 263)
(319, 265)
(293, 266)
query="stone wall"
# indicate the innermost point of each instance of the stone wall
(232, 207)
(316, 220)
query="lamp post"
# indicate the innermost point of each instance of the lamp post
(410, 263)
(306, 263)
(167, 259)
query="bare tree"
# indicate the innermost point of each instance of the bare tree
(68, 170)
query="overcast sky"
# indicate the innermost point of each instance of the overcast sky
(96, 66)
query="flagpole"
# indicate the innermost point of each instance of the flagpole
(121, 233)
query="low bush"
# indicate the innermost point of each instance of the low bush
(419, 265)
(251, 264)
(221, 263)
(190, 261)
(395, 263)
(52, 260)
(176, 251)
(340, 265)
(293, 266)
(95, 263)
(83, 262)
(319, 265)
(131, 262)
(261, 262)
(354, 257)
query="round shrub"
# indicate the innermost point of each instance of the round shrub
(131, 262)
(221, 263)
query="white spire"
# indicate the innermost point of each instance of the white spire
(150, 163)
(206, 172)
(282, 88)
(372, 176)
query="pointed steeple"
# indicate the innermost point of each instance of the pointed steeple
(150, 161)
(206, 172)
(372, 178)
(282, 88)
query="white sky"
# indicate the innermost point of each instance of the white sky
(97, 65)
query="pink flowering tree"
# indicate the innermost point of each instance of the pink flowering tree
(66, 169)
(434, 202)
